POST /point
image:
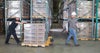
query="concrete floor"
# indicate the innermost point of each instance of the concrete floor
(58, 47)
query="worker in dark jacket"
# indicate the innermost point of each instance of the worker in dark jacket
(12, 31)
(72, 27)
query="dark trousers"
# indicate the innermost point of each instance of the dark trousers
(11, 32)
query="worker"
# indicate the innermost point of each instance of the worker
(12, 31)
(72, 27)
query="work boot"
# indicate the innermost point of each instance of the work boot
(7, 43)
(19, 43)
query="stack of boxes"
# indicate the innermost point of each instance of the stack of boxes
(99, 10)
(34, 34)
(29, 34)
(25, 10)
(41, 33)
(99, 22)
(15, 10)
(84, 29)
(84, 9)
(98, 30)
(39, 9)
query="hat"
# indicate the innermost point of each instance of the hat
(73, 13)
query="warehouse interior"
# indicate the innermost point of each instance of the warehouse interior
(45, 20)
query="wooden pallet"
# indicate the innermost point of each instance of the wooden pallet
(88, 39)
(84, 16)
(84, 39)
(32, 45)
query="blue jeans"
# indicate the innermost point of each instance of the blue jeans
(72, 33)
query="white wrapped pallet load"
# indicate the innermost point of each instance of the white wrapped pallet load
(28, 33)
(98, 30)
(17, 9)
(41, 33)
(13, 9)
(34, 34)
(84, 29)
(39, 9)
(84, 9)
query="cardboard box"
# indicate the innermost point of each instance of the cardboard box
(84, 9)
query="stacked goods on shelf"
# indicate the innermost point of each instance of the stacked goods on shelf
(70, 7)
(25, 10)
(98, 30)
(65, 12)
(18, 9)
(41, 33)
(84, 29)
(34, 34)
(13, 9)
(84, 9)
(39, 9)
(99, 17)
(29, 34)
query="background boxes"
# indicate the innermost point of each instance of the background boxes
(39, 8)
(17, 9)
(84, 30)
(84, 9)
(99, 10)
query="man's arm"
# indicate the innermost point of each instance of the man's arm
(20, 22)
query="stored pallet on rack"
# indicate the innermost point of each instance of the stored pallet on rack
(84, 8)
(84, 30)
(17, 8)
(39, 9)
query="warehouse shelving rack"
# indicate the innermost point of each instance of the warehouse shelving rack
(31, 19)
(96, 32)
(42, 19)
